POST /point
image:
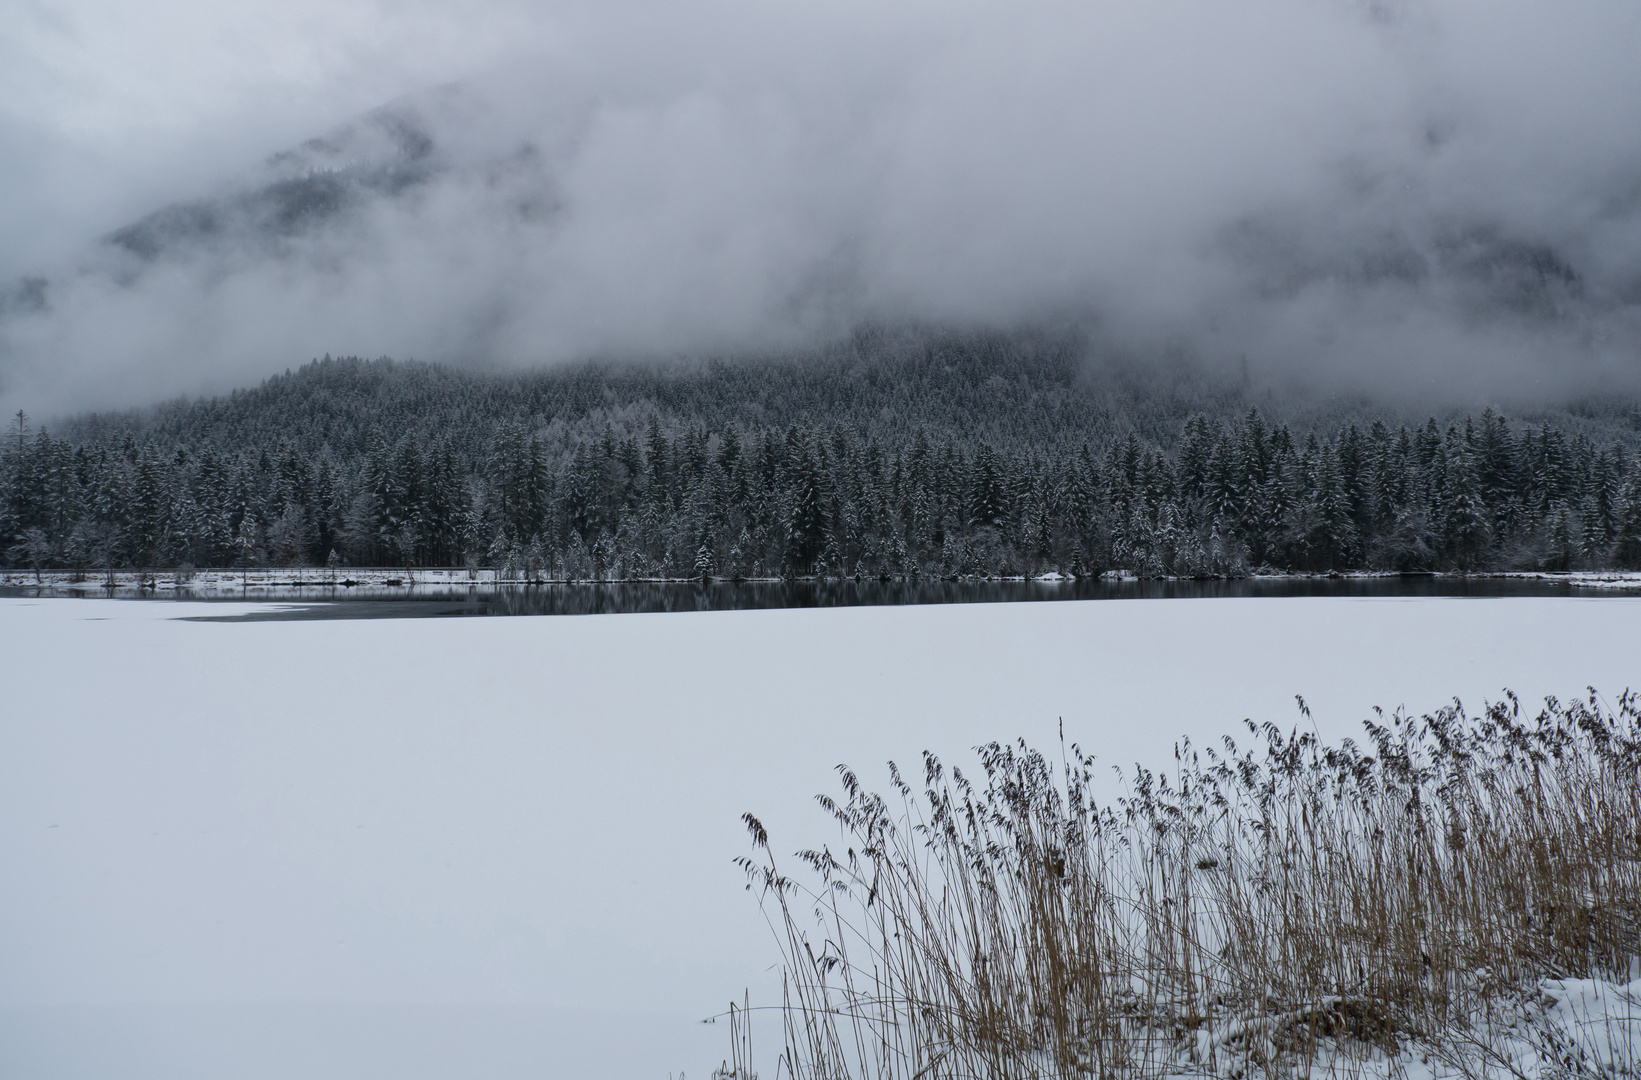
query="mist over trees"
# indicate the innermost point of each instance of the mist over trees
(1438, 193)
(926, 456)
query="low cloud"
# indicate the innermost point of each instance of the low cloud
(1431, 198)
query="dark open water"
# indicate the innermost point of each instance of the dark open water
(443, 601)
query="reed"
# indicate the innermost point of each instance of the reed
(1281, 908)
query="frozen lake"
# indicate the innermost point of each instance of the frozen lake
(419, 848)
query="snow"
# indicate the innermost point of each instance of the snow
(434, 848)
(1582, 579)
(1602, 1022)
(1564, 1027)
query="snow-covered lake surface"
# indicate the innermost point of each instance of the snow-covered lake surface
(418, 848)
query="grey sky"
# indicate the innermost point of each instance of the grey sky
(1435, 195)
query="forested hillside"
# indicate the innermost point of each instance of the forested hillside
(895, 455)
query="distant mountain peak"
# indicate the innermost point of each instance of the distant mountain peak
(387, 152)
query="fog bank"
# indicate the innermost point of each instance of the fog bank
(1426, 199)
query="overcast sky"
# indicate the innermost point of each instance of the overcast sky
(1432, 196)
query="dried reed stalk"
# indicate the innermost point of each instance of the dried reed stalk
(1285, 908)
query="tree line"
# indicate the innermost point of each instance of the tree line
(633, 499)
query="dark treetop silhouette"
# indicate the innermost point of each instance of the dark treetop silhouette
(958, 455)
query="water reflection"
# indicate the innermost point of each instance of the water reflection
(422, 600)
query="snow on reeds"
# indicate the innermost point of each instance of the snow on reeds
(1446, 897)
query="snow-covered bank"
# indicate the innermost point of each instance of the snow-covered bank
(538, 814)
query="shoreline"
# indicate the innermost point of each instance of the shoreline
(274, 583)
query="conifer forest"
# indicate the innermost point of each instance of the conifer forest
(959, 456)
